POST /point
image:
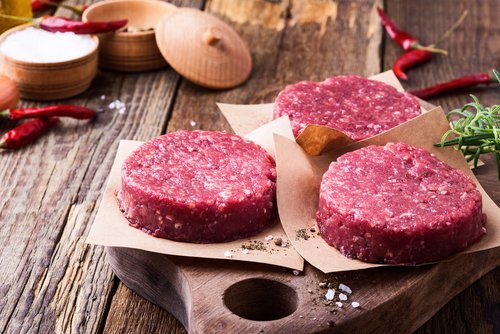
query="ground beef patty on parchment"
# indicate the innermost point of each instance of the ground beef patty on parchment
(398, 204)
(199, 186)
(357, 106)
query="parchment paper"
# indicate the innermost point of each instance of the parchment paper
(111, 228)
(299, 175)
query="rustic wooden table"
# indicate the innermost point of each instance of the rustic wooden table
(51, 281)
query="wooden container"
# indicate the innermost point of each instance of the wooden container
(130, 51)
(49, 81)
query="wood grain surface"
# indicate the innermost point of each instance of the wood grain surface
(51, 281)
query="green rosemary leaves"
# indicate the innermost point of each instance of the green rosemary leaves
(477, 130)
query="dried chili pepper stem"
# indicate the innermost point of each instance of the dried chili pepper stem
(77, 112)
(26, 132)
(417, 53)
(455, 84)
(59, 24)
(403, 38)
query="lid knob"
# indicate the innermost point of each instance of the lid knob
(212, 36)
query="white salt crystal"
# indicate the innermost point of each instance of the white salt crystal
(228, 254)
(342, 296)
(339, 304)
(40, 46)
(245, 251)
(118, 106)
(355, 304)
(330, 294)
(269, 237)
(296, 272)
(192, 123)
(345, 288)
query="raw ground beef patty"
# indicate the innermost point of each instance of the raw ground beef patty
(357, 106)
(199, 186)
(398, 204)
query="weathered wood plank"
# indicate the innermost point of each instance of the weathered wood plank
(314, 38)
(474, 47)
(50, 280)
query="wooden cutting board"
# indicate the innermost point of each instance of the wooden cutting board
(217, 296)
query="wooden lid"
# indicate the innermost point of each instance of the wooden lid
(203, 49)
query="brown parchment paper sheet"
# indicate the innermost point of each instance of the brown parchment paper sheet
(299, 175)
(111, 228)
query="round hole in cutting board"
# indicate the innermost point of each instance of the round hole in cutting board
(260, 299)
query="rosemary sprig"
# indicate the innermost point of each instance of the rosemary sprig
(477, 130)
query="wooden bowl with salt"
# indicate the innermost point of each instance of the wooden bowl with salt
(133, 49)
(45, 80)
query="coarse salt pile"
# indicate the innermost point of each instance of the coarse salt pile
(40, 46)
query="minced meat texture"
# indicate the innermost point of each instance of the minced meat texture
(398, 204)
(199, 186)
(359, 107)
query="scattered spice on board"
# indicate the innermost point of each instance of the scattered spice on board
(302, 234)
(254, 245)
(331, 294)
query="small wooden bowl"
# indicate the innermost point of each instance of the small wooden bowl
(130, 51)
(49, 81)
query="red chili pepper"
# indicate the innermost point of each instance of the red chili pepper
(403, 38)
(408, 60)
(52, 111)
(59, 24)
(458, 83)
(37, 5)
(27, 132)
